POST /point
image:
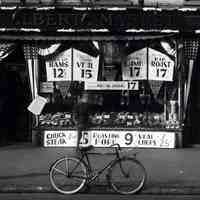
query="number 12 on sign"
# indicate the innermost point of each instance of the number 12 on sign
(58, 72)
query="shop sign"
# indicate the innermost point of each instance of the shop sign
(112, 85)
(135, 66)
(63, 19)
(157, 67)
(85, 67)
(101, 138)
(59, 68)
(64, 138)
(133, 139)
(161, 66)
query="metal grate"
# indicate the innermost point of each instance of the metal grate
(190, 47)
(30, 52)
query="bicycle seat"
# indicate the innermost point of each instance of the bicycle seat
(87, 148)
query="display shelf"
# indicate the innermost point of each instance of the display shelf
(43, 128)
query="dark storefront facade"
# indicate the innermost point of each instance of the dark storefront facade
(15, 95)
(136, 64)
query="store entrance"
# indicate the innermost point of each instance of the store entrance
(14, 114)
(193, 132)
(14, 99)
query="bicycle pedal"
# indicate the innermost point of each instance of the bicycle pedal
(87, 188)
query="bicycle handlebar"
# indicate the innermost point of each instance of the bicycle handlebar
(116, 144)
(118, 148)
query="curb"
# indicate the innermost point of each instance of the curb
(104, 189)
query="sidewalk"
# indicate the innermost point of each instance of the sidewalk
(24, 168)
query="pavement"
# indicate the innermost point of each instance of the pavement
(24, 168)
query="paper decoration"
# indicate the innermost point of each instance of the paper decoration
(155, 87)
(50, 49)
(85, 67)
(161, 66)
(135, 66)
(37, 105)
(64, 87)
(60, 68)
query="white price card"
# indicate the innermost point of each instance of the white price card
(135, 66)
(59, 68)
(85, 67)
(37, 105)
(112, 85)
(161, 66)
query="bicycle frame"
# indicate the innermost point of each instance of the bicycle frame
(80, 168)
(100, 171)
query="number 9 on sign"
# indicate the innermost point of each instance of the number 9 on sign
(128, 138)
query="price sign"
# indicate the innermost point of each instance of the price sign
(133, 85)
(148, 139)
(112, 85)
(85, 66)
(105, 138)
(161, 66)
(135, 65)
(59, 69)
(64, 138)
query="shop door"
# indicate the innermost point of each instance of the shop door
(193, 133)
(18, 84)
(15, 97)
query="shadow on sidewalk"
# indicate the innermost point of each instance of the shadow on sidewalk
(30, 175)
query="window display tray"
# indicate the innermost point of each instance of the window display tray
(42, 128)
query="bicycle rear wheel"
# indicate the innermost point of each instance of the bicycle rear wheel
(127, 176)
(68, 175)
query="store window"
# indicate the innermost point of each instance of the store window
(129, 83)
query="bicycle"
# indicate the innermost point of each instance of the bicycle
(126, 175)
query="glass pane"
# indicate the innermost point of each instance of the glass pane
(136, 85)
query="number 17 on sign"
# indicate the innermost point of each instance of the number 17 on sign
(133, 85)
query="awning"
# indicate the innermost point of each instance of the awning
(32, 37)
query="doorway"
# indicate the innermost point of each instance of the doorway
(193, 112)
(14, 99)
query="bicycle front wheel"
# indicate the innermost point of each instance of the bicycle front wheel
(127, 176)
(68, 175)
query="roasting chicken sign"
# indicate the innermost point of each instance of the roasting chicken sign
(150, 64)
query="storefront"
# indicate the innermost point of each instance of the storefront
(129, 61)
(133, 87)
